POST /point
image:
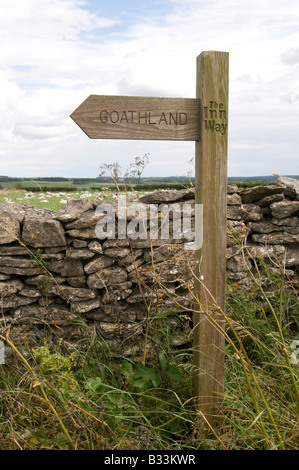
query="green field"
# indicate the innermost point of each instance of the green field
(54, 192)
(51, 194)
(47, 199)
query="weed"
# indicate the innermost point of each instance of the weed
(84, 398)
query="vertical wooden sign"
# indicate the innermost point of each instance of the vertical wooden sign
(211, 192)
(203, 119)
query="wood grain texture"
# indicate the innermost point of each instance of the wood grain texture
(211, 189)
(142, 118)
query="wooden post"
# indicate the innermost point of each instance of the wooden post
(205, 120)
(211, 192)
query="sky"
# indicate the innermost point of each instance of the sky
(55, 53)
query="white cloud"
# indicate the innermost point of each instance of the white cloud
(290, 56)
(55, 53)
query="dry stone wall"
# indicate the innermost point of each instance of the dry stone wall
(59, 280)
(263, 222)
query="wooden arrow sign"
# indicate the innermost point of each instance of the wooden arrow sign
(205, 120)
(142, 118)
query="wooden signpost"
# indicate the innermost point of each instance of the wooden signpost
(131, 117)
(203, 119)
(211, 191)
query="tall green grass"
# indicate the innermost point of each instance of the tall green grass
(262, 396)
(85, 398)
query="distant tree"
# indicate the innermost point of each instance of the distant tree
(136, 168)
(111, 169)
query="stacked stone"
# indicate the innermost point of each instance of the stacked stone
(55, 272)
(263, 222)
